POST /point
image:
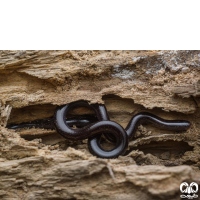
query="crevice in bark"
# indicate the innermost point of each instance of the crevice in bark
(169, 150)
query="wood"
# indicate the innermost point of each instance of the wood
(40, 164)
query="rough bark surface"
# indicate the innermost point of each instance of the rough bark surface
(40, 164)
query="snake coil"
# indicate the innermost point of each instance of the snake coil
(112, 130)
(92, 128)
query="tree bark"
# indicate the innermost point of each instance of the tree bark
(40, 164)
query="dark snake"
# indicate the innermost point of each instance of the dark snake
(92, 128)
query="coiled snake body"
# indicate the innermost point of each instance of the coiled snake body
(93, 128)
